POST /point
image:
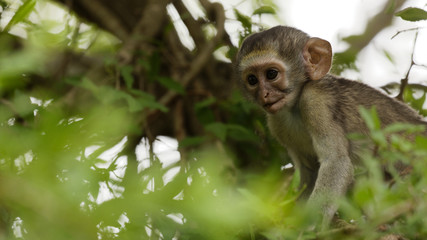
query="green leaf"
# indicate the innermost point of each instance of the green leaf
(254, 199)
(205, 103)
(21, 14)
(344, 60)
(126, 72)
(136, 100)
(388, 56)
(142, 94)
(5, 113)
(231, 52)
(370, 117)
(191, 141)
(148, 101)
(264, 10)
(218, 129)
(245, 20)
(403, 127)
(408, 95)
(171, 84)
(237, 132)
(418, 103)
(22, 104)
(412, 14)
(83, 83)
(396, 127)
(152, 104)
(421, 142)
(135, 105)
(240, 133)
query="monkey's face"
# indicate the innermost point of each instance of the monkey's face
(263, 76)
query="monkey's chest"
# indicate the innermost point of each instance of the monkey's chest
(289, 130)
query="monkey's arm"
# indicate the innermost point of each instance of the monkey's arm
(335, 172)
(331, 146)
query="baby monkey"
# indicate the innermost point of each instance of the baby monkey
(311, 112)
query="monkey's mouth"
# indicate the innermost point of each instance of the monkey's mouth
(273, 107)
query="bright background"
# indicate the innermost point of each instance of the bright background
(335, 19)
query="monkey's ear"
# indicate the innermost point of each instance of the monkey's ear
(317, 57)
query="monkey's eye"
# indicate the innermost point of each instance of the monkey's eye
(271, 74)
(252, 80)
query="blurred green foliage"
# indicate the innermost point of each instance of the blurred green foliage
(65, 172)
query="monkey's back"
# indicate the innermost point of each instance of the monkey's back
(342, 99)
(346, 97)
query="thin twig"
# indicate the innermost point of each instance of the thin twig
(405, 80)
(405, 30)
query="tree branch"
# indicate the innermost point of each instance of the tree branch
(203, 57)
(381, 20)
(149, 25)
(404, 81)
(108, 18)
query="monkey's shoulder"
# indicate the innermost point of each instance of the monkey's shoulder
(339, 87)
(318, 98)
(344, 92)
